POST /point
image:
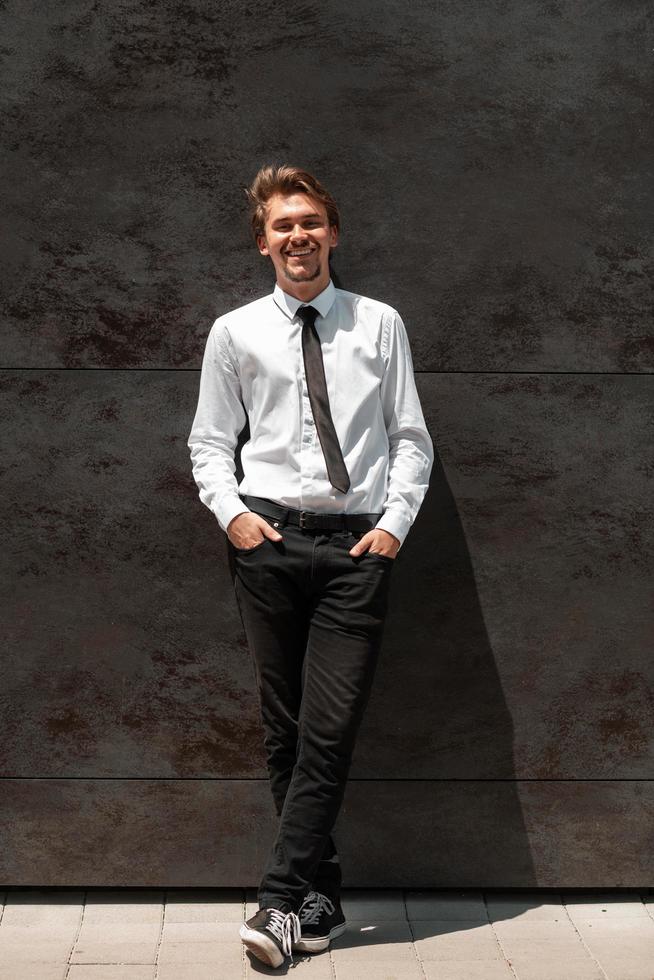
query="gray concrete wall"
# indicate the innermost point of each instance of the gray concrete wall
(493, 164)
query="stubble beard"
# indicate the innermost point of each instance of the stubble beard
(304, 276)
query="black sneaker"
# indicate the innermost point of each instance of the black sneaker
(321, 920)
(270, 935)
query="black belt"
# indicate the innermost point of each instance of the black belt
(308, 519)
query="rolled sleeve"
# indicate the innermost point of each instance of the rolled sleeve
(411, 451)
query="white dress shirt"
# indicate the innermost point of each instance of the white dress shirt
(253, 368)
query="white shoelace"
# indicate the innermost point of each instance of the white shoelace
(313, 905)
(285, 926)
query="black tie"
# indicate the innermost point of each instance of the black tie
(314, 370)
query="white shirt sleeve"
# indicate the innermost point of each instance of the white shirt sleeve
(219, 419)
(411, 452)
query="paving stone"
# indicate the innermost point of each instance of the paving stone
(627, 966)
(607, 905)
(353, 970)
(34, 971)
(622, 969)
(47, 913)
(48, 951)
(637, 973)
(192, 932)
(46, 933)
(452, 940)
(535, 928)
(112, 971)
(447, 950)
(570, 947)
(387, 941)
(611, 948)
(124, 932)
(199, 971)
(135, 905)
(467, 970)
(549, 968)
(623, 926)
(205, 905)
(377, 906)
(530, 905)
(446, 905)
(114, 952)
(208, 953)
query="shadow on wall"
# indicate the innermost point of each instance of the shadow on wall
(433, 769)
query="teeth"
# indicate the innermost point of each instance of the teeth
(306, 251)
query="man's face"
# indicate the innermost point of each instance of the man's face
(297, 237)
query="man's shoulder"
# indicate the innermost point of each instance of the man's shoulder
(244, 313)
(365, 304)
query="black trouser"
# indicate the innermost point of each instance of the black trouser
(313, 617)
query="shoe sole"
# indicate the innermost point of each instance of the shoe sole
(262, 947)
(320, 943)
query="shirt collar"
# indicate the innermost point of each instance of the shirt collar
(290, 304)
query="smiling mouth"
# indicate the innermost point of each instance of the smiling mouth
(300, 253)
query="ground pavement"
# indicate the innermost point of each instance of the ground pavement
(192, 934)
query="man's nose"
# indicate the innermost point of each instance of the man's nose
(298, 232)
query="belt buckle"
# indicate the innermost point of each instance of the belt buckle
(306, 518)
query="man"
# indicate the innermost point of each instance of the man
(334, 473)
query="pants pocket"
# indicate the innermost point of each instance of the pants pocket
(357, 535)
(248, 551)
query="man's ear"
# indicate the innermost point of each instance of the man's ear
(333, 236)
(261, 244)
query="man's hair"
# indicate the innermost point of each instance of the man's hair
(284, 179)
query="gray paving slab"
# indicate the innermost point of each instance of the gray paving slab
(37, 951)
(204, 905)
(134, 905)
(451, 940)
(200, 932)
(607, 905)
(348, 970)
(197, 971)
(553, 968)
(204, 953)
(467, 970)
(113, 950)
(46, 915)
(446, 905)
(569, 947)
(132, 932)
(384, 941)
(530, 928)
(34, 971)
(112, 971)
(360, 904)
(615, 930)
(626, 967)
(524, 905)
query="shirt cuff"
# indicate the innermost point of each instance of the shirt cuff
(228, 509)
(395, 524)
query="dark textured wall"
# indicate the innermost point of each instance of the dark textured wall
(493, 163)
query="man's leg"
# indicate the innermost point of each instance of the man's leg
(350, 604)
(275, 612)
